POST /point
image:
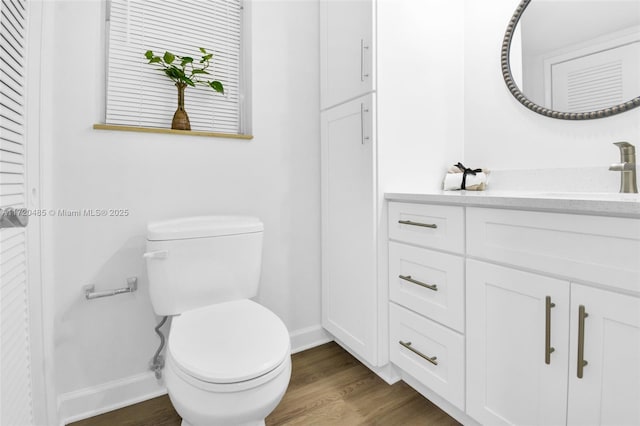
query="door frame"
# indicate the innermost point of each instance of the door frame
(39, 273)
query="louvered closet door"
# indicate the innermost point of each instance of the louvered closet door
(598, 80)
(15, 375)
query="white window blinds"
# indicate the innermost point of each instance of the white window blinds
(139, 94)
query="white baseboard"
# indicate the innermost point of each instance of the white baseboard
(388, 372)
(444, 405)
(95, 400)
(307, 338)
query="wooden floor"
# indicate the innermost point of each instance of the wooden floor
(328, 387)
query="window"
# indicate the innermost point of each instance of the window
(140, 95)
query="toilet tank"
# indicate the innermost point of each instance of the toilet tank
(199, 261)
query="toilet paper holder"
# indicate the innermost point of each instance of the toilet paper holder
(91, 293)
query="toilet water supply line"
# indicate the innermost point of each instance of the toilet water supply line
(158, 360)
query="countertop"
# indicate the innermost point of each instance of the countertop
(594, 203)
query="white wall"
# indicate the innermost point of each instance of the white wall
(501, 134)
(275, 177)
(420, 92)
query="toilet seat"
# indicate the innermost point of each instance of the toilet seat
(228, 343)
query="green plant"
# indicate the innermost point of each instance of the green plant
(175, 67)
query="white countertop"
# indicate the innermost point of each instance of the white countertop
(596, 203)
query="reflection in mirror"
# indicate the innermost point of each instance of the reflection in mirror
(576, 56)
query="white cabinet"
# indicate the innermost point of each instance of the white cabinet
(354, 222)
(349, 221)
(428, 282)
(431, 353)
(512, 377)
(509, 381)
(346, 50)
(608, 393)
(438, 227)
(426, 294)
(533, 295)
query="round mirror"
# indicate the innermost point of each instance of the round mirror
(574, 59)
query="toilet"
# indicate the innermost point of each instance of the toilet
(228, 359)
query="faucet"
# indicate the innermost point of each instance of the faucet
(627, 166)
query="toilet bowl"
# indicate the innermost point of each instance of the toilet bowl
(227, 364)
(228, 358)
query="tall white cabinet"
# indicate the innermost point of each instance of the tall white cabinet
(346, 50)
(386, 124)
(349, 199)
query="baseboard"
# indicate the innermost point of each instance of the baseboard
(388, 372)
(92, 401)
(442, 403)
(307, 338)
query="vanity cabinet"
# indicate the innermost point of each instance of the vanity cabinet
(426, 293)
(509, 381)
(609, 391)
(511, 327)
(546, 307)
(346, 50)
(526, 332)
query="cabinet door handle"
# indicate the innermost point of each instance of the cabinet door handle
(424, 225)
(431, 359)
(548, 349)
(362, 111)
(581, 361)
(362, 48)
(433, 287)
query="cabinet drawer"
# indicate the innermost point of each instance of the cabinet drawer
(428, 282)
(604, 250)
(440, 227)
(444, 374)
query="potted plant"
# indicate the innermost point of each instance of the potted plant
(184, 72)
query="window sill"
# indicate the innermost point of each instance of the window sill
(170, 131)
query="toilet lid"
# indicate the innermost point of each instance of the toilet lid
(228, 342)
(202, 226)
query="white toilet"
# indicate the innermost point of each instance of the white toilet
(228, 358)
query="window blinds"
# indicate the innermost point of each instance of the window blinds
(139, 94)
(15, 360)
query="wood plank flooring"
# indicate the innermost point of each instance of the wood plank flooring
(328, 387)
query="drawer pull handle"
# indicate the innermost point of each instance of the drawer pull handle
(433, 287)
(431, 359)
(581, 361)
(412, 223)
(548, 349)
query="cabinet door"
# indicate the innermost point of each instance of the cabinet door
(349, 226)
(346, 50)
(608, 393)
(508, 379)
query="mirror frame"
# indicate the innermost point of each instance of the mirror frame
(515, 91)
